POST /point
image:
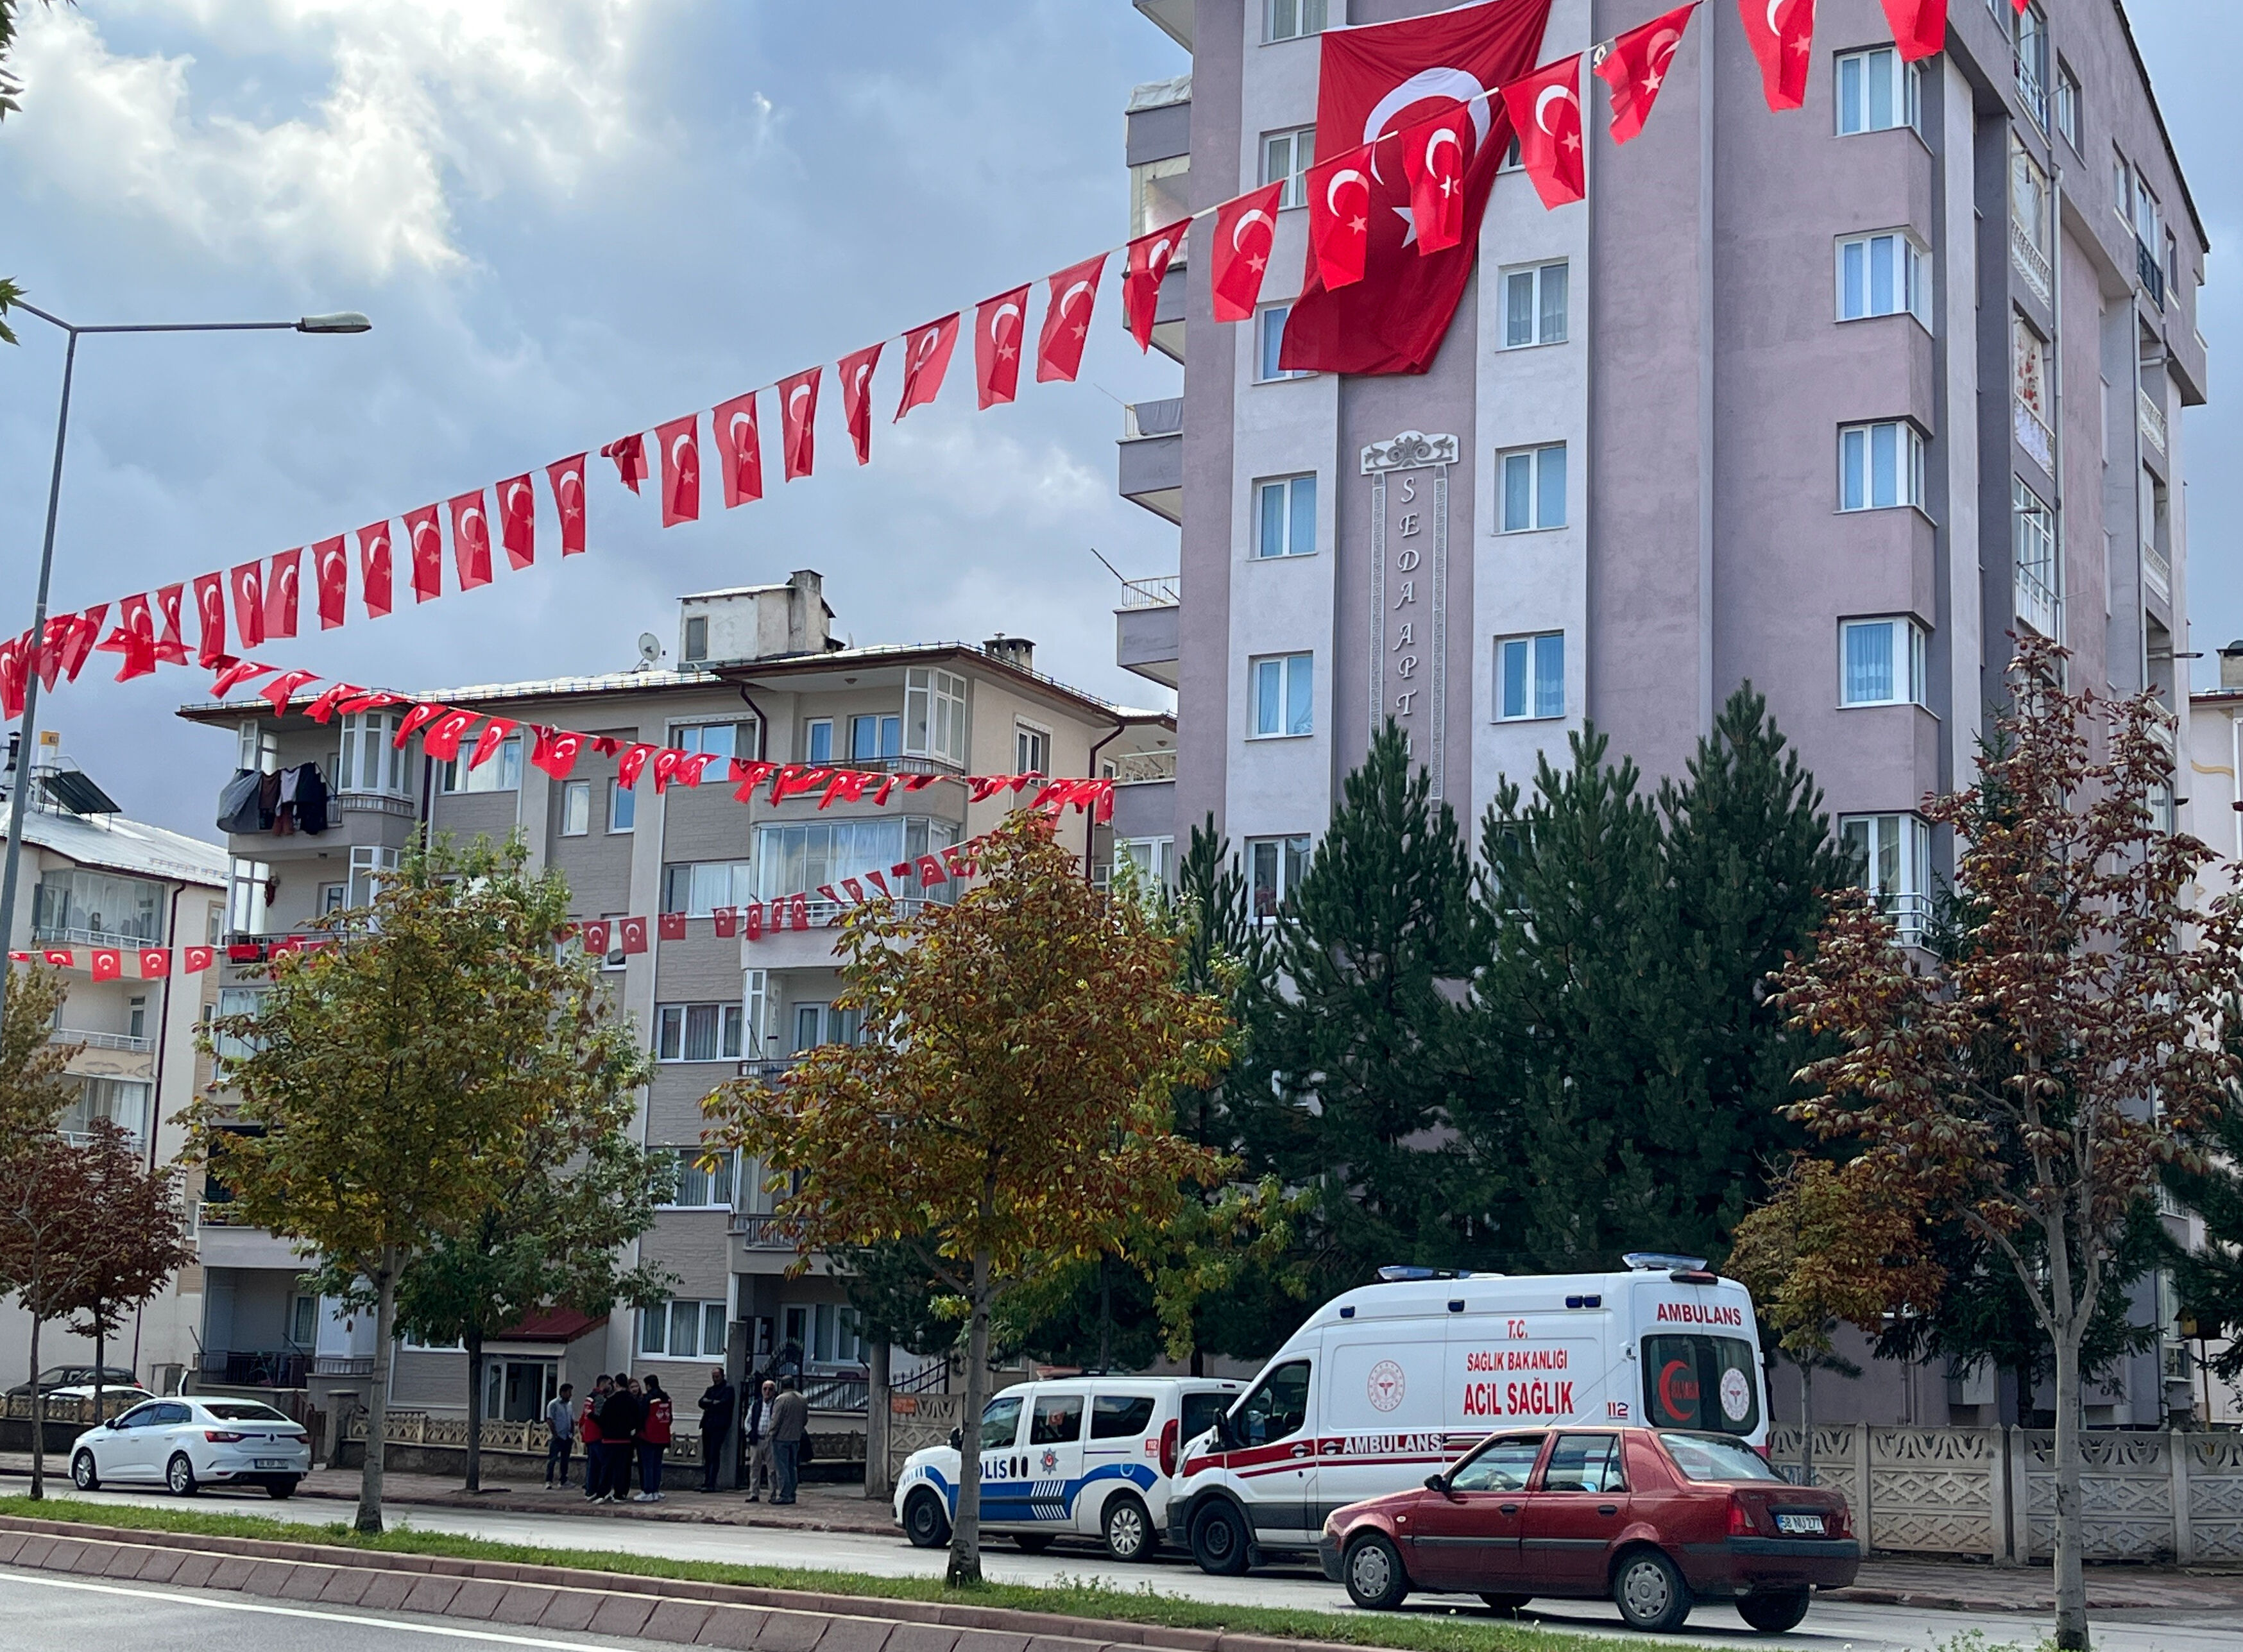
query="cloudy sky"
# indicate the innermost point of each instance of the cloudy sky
(572, 219)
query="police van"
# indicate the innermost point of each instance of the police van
(1089, 1456)
(1386, 1383)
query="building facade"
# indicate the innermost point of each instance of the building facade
(1834, 401)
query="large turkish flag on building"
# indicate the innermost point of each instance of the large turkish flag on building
(1378, 80)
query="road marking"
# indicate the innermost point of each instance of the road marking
(216, 1605)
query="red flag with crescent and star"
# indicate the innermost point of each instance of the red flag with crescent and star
(1074, 294)
(1634, 66)
(926, 362)
(517, 521)
(373, 570)
(1244, 230)
(155, 963)
(13, 674)
(427, 540)
(1781, 35)
(680, 442)
(797, 408)
(471, 556)
(1147, 266)
(1546, 112)
(134, 638)
(282, 580)
(566, 478)
(331, 570)
(172, 646)
(247, 584)
(998, 326)
(1433, 160)
(856, 374)
(1920, 26)
(630, 454)
(1374, 81)
(210, 608)
(555, 751)
(1339, 218)
(487, 743)
(740, 445)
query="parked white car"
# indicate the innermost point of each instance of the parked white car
(186, 1443)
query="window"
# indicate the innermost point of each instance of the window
(682, 1329)
(370, 865)
(1533, 482)
(1056, 1420)
(1534, 307)
(123, 1102)
(1510, 161)
(1269, 346)
(1154, 858)
(1585, 1463)
(1291, 19)
(1278, 1408)
(872, 737)
(698, 1032)
(816, 1024)
(1708, 1383)
(1503, 1466)
(1285, 517)
(835, 1338)
(623, 806)
(2067, 104)
(1880, 663)
(1880, 466)
(2031, 62)
(333, 898)
(256, 747)
(615, 959)
(575, 808)
(2030, 217)
(1031, 750)
(2039, 577)
(697, 888)
(1120, 1416)
(1876, 91)
(2122, 188)
(686, 1185)
(1275, 867)
(715, 739)
(1530, 677)
(100, 907)
(2149, 218)
(1895, 857)
(802, 856)
(249, 886)
(1000, 1422)
(500, 773)
(370, 760)
(1883, 275)
(236, 1001)
(818, 740)
(1283, 684)
(1286, 158)
(934, 715)
(696, 637)
(2030, 398)
(136, 1017)
(304, 1321)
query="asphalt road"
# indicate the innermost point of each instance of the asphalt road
(1832, 1626)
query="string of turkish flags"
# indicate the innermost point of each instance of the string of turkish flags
(1544, 108)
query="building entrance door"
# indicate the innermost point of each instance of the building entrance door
(517, 1390)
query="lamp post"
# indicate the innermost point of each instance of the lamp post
(341, 321)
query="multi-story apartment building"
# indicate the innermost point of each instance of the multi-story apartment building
(91, 878)
(758, 676)
(1834, 401)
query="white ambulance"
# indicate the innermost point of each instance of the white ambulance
(1388, 1382)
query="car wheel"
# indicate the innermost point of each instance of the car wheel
(1773, 1613)
(1372, 1571)
(280, 1485)
(84, 1475)
(1031, 1543)
(181, 1477)
(1505, 1602)
(925, 1522)
(1127, 1529)
(1649, 1591)
(1219, 1540)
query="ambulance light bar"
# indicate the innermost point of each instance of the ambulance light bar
(1663, 1262)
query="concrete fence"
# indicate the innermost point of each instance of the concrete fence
(421, 1442)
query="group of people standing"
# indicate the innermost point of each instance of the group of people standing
(625, 1420)
(774, 1435)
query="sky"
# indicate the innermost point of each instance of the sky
(571, 220)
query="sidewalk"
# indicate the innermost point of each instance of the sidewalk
(1974, 1587)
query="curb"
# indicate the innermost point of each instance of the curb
(684, 1513)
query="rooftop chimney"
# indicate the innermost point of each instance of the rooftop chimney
(2231, 664)
(1012, 651)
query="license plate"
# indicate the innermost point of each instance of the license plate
(288, 1462)
(1803, 1525)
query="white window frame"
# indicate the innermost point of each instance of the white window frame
(1032, 747)
(1910, 276)
(1538, 651)
(1155, 858)
(623, 808)
(1907, 665)
(708, 885)
(2036, 560)
(1282, 670)
(1290, 493)
(1269, 344)
(500, 773)
(934, 714)
(247, 910)
(1897, 866)
(575, 808)
(1283, 160)
(369, 744)
(2067, 104)
(695, 643)
(1288, 856)
(719, 1187)
(657, 1327)
(673, 1022)
(1301, 19)
(693, 739)
(816, 731)
(1534, 279)
(884, 723)
(1903, 90)
(614, 957)
(367, 864)
(1534, 461)
(1908, 460)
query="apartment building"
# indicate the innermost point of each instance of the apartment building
(1834, 401)
(759, 675)
(90, 878)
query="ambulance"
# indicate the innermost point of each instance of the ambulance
(1388, 1382)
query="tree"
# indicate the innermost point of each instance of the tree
(135, 1239)
(48, 1210)
(10, 89)
(35, 1087)
(1014, 1095)
(2038, 1081)
(34, 1083)
(393, 1082)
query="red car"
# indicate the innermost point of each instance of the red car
(1654, 1518)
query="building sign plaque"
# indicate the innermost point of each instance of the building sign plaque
(1410, 590)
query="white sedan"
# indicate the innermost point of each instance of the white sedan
(185, 1443)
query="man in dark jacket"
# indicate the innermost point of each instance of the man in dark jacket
(620, 1415)
(716, 1426)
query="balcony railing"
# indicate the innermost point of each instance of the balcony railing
(2150, 273)
(759, 1231)
(1160, 592)
(102, 1041)
(2032, 263)
(2157, 571)
(2153, 420)
(2034, 436)
(256, 1368)
(49, 934)
(218, 1213)
(1141, 420)
(2038, 603)
(1138, 767)
(374, 803)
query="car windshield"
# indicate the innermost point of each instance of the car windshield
(243, 1412)
(1199, 1411)
(1709, 1456)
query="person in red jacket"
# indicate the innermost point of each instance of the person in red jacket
(653, 1440)
(596, 1450)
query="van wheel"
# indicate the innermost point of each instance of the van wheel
(1128, 1527)
(925, 1522)
(1773, 1613)
(1031, 1543)
(1650, 1592)
(1373, 1573)
(83, 1474)
(1505, 1603)
(1219, 1540)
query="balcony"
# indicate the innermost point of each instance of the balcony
(1159, 592)
(58, 934)
(1145, 627)
(1144, 768)
(757, 1231)
(2149, 273)
(2038, 603)
(2152, 420)
(1152, 456)
(2034, 437)
(2157, 572)
(102, 1041)
(2032, 263)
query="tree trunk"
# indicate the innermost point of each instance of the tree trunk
(878, 1360)
(1105, 1312)
(100, 1354)
(1807, 1422)
(966, 1526)
(474, 1341)
(39, 1420)
(2071, 1580)
(377, 1395)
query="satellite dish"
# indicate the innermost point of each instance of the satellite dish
(649, 650)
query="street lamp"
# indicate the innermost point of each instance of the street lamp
(340, 321)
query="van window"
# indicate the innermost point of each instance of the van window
(1200, 1412)
(1276, 1409)
(1502, 1466)
(1058, 1420)
(1000, 1421)
(1701, 1382)
(1585, 1463)
(1120, 1416)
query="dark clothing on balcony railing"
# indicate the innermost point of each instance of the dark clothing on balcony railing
(290, 800)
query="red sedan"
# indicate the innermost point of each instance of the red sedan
(1654, 1518)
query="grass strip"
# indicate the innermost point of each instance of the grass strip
(1430, 1628)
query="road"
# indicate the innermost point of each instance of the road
(1833, 1626)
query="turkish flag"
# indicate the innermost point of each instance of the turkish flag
(171, 647)
(283, 688)
(470, 540)
(247, 584)
(487, 743)
(1920, 26)
(1339, 218)
(998, 324)
(1546, 112)
(417, 720)
(108, 963)
(630, 454)
(282, 581)
(1781, 35)
(195, 960)
(1378, 80)
(374, 581)
(83, 633)
(1635, 65)
(155, 963)
(594, 937)
(555, 751)
(752, 919)
(797, 408)
(13, 671)
(632, 764)
(680, 442)
(1433, 161)
(634, 935)
(427, 540)
(331, 700)
(798, 910)
(927, 359)
(740, 445)
(670, 926)
(665, 767)
(931, 872)
(331, 568)
(517, 521)
(445, 732)
(566, 478)
(856, 373)
(210, 603)
(1073, 294)
(61, 957)
(1244, 228)
(728, 922)
(134, 638)
(1147, 267)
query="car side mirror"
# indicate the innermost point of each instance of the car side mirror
(1437, 1483)
(958, 1439)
